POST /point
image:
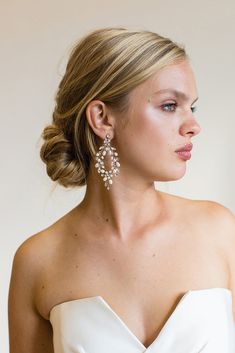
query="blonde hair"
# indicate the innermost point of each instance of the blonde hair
(106, 64)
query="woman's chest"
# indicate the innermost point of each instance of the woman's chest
(142, 280)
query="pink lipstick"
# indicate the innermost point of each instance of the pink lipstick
(184, 152)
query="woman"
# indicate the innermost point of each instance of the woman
(130, 269)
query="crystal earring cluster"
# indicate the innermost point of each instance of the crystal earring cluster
(107, 150)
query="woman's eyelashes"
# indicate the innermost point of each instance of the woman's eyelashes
(194, 109)
(171, 107)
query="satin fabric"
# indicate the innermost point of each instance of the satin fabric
(202, 322)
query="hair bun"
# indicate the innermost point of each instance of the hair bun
(58, 155)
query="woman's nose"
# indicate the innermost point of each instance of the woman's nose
(190, 126)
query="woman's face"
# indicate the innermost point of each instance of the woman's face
(160, 120)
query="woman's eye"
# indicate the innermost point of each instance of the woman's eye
(169, 107)
(194, 109)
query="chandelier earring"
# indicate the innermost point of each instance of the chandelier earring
(106, 150)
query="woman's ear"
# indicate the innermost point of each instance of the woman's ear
(100, 119)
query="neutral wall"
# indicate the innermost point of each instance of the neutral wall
(35, 39)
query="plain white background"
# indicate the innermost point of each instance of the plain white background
(35, 42)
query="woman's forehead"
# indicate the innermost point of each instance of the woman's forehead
(177, 80)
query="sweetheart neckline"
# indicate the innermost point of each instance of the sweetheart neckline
(100, 296)
(105, 303)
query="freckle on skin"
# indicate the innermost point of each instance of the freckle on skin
(114, 259)
(76, 266)
(75, 235)
(107, 219)
(42, 287)
(153, 255)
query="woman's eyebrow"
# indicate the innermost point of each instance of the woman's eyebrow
(177, 93)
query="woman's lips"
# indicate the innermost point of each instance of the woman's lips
(185, 155)
(184, 152)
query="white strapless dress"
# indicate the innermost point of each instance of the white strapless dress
(201, 322)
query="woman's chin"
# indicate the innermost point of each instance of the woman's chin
(173, 175)
(180, 174)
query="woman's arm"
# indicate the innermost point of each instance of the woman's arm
(224, 221)
(28, 331)
(229, 232)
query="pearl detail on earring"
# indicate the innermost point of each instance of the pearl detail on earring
(105, 150)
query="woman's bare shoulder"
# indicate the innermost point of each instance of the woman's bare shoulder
(204, 209)
(216, 214)
(37, 247)
(212, 220)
